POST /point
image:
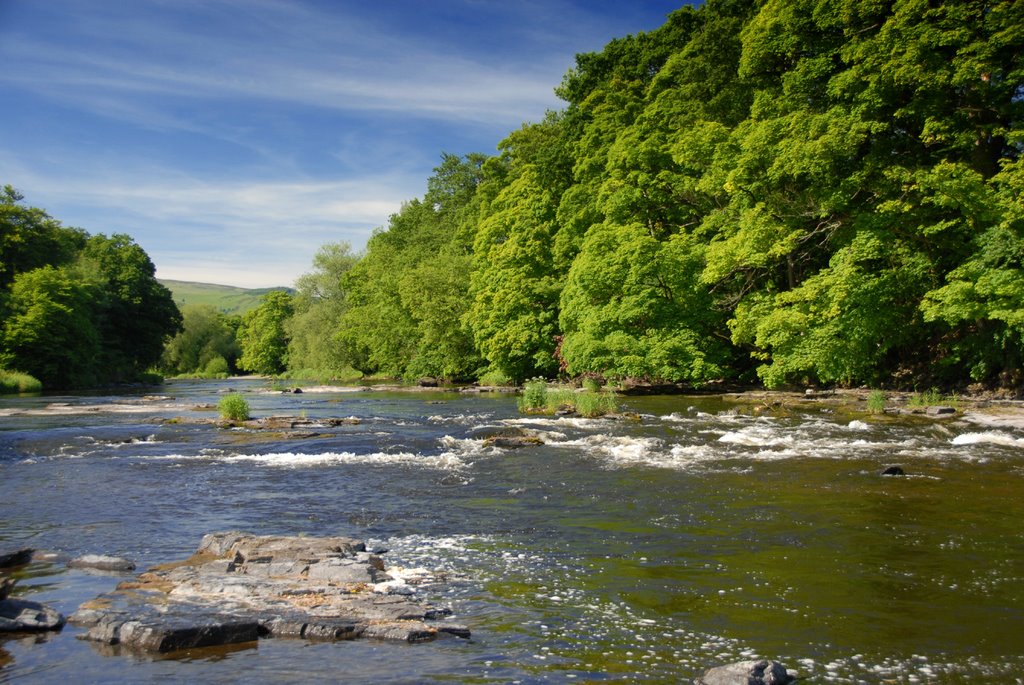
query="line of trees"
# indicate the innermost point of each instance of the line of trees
(76, 309)
(784, 191)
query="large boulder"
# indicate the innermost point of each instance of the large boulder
(761, 672)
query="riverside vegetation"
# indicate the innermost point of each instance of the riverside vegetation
(780, 192)
(776, 192)
(76, 309)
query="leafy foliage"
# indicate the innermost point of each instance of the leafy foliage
(787, 190)
(205, 346)
(263, 336)
(77, 310)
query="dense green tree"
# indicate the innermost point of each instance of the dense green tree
(514, 314)
(49, 331)
(55, 279)
(320, 302)
(136, 314)
(263, 336)
(377, 333)
(406, 297)
(790, 190)
(30, 238)
(206, 343)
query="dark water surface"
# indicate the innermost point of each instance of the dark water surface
(639, 551)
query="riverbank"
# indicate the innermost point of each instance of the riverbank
(989, 409)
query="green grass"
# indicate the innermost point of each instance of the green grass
(494, 377)
(14, 382)
(534, 397)
(537, 397)
(876, 402)
(559, 398)
(226, 298)
(592, 404)
(233, 407)
(933, 398)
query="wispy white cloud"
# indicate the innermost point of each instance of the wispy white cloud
(232, 138)
(247, 233)
(316, 59)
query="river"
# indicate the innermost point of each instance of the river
(640, 550)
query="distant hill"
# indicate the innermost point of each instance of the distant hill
(227, 298)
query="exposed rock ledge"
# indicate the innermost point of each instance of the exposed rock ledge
(239, 587)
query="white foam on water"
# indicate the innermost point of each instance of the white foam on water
(988, 437)
(759, 436)
(558, 422)
(620, 449)
(858, 426)
(458, 418)
(465, 446)
(447, 461)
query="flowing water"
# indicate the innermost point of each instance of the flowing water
(634, 550)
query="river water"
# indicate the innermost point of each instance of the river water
(640, 550)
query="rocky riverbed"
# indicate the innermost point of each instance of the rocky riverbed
(238, 588)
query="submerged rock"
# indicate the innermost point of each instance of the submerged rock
(762, 672)
(894, 471)
(237, 587)
(15, 557)
(512, 438)
(102, 562)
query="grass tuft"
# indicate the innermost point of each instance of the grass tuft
(537, 397)
(233, 407)
(14, 382)
(933, 398)
(876, 401)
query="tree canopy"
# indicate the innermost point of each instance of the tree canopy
(77, 309)
(783, 191)
(788, 191)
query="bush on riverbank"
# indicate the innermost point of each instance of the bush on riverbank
(14, 382)
(539, 398)
(233, 407)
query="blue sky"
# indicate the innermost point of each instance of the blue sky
(232, 138)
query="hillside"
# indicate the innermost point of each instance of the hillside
(226, 298)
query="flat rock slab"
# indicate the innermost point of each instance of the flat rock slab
(238, 587)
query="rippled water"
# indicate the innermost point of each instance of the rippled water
(642, 550)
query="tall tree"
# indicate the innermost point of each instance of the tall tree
(206, 343)
(136, 314)
(320, 302)
(49, 330)
(263, 335)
